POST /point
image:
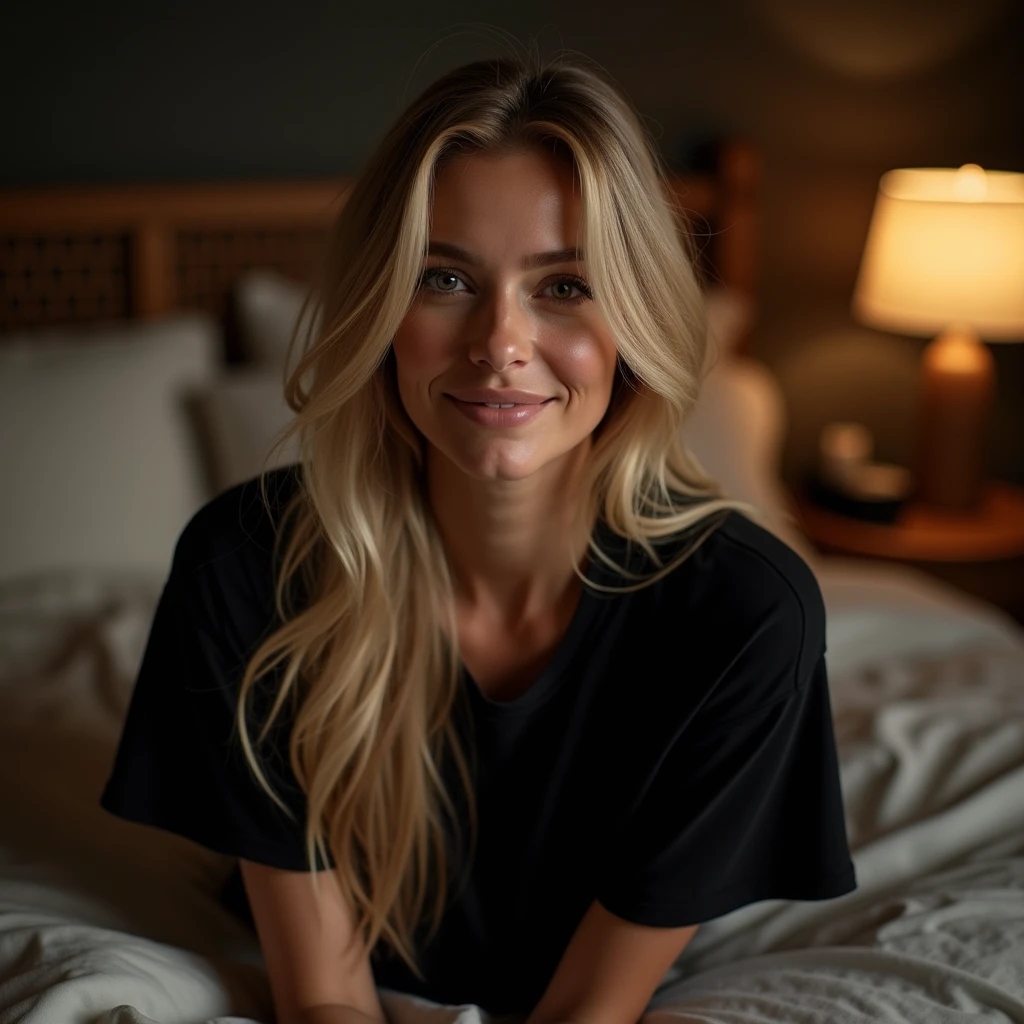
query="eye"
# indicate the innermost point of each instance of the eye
(564, 287)
(445, 278)
(445, 281)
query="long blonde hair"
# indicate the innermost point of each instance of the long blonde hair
(367, 659)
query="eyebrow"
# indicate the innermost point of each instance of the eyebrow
(538, 259)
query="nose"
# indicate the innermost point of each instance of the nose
(502, 335)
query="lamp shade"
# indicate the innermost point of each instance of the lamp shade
(945, 246)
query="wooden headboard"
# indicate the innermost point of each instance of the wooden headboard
(77, 255)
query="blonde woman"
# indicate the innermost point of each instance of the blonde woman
(494, 696)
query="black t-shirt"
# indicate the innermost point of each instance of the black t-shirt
(675, 760)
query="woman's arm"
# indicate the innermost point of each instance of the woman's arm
(317, 973)
(609, 971)
(333, 1014)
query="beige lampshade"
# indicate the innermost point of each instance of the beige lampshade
(945, 246)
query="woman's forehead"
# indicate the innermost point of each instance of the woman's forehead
(527, 194)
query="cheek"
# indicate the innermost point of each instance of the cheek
(421, 348)
(587, 363)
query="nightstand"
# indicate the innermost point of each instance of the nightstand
(981, 551)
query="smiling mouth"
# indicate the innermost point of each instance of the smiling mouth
(505, 405)
(499, 414)
(502, 405)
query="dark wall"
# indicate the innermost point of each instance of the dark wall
(835, 94)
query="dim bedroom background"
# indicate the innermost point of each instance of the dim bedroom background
(143, 334)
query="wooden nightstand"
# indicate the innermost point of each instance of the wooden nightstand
(981, 552)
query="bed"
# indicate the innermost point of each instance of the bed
(142, 333)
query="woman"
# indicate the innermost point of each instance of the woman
(520, 697)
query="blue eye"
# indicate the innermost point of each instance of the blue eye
(436, 275)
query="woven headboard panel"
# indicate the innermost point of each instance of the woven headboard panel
(86, 254)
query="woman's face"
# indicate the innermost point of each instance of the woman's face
(503, 306)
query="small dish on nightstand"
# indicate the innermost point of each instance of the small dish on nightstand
(872, 491)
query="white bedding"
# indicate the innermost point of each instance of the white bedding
(105, 922)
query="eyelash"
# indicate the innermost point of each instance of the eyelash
(578, 282)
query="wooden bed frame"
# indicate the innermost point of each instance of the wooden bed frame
(79, 255)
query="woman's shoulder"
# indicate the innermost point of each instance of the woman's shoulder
(741, 576)
(747, 552)
(745, 612)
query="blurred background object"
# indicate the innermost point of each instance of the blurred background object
(944, 256)
(845, 447)
(945, 253)
(849, 481)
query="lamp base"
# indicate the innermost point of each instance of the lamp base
(957, 386)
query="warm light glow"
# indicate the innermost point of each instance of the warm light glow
(878, 40)
(970, 184)
(944, 246)
(957, 351)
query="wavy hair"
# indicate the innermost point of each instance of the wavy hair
(368, 658)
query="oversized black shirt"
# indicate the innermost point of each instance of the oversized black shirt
(675, 759)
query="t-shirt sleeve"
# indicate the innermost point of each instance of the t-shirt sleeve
(180, 765)
(744, 806)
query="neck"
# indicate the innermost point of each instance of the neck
(510, 542)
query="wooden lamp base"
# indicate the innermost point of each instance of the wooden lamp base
(957, 387)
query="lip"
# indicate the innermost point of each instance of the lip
(498, 395)
(520, 414)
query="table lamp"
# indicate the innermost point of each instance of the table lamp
(944, 256)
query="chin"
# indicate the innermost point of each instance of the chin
(500, 469)
(501, 461)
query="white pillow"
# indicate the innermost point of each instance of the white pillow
(738, 427)
(730, 312)
(240, 414)
(736, 432)
(268, 305)
(98, 461)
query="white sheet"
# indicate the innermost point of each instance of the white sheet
(106, 922)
